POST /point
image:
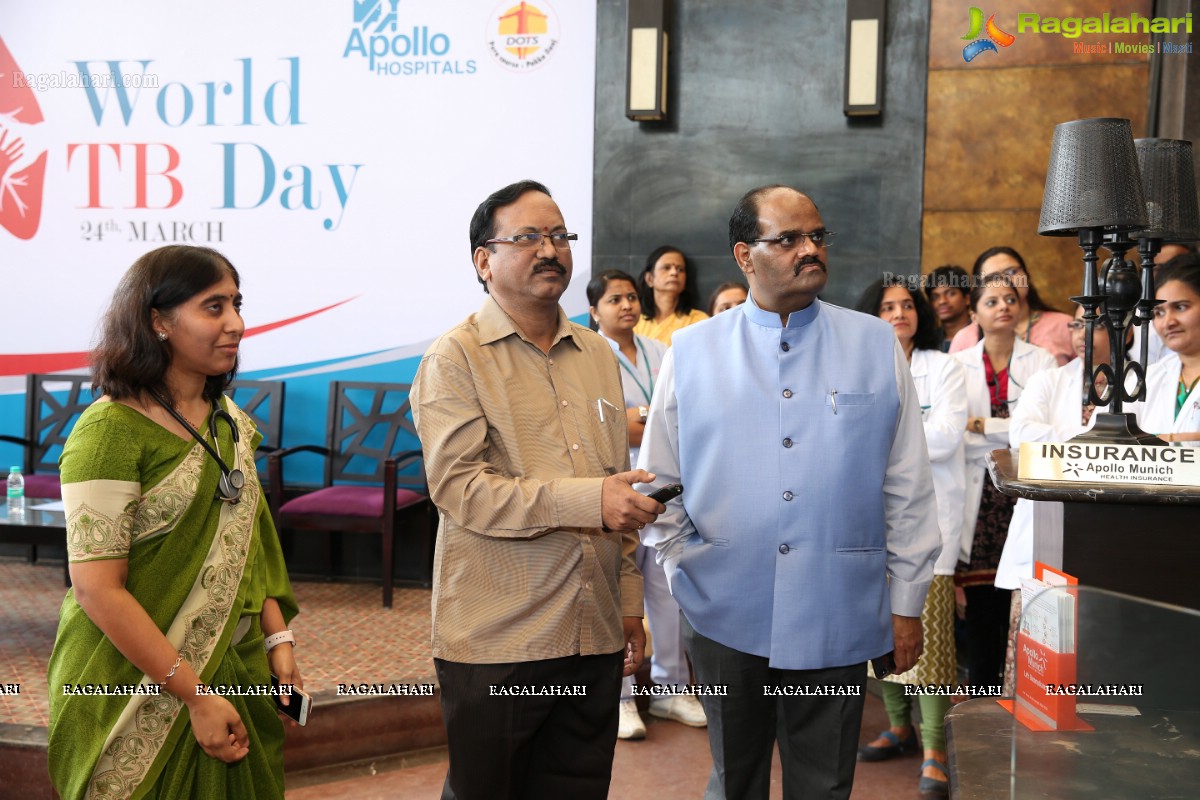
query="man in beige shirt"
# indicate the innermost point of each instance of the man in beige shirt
(537, 602)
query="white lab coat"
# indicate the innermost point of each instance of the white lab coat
(1027, 360)
(1157, 413)
(1051, 410)
(1155, 349)
(942, 391)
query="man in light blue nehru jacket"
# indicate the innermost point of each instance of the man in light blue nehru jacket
(804, 542)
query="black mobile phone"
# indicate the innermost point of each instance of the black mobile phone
(299, 702)
(884, 665)
(668, 492)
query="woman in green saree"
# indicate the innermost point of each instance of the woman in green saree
(177, 586)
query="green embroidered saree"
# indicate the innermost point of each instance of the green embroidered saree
(201, 568)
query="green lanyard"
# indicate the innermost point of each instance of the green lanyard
(1182, 395)
(632, 374)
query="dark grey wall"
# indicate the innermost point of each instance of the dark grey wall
(755, 97)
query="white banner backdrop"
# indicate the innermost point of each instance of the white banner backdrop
(333, 151)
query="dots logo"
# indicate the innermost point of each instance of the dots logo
(22, 173)
(995, 36)
(521, 37)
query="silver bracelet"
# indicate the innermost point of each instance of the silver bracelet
(171, 674)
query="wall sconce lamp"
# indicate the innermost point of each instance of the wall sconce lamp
(646, 87)
(865, 21)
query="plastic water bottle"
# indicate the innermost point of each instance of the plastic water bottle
(16, 493)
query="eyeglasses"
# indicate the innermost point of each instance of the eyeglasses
(1009, 273)
(526, 241)
(790, 241)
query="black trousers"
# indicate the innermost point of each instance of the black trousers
(530, 742)
(817, 735)
(987, 633)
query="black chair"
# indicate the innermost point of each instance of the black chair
(263, 402)
(52, 405)
(369, 487)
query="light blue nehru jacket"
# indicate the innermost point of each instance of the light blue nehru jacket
(808, 514)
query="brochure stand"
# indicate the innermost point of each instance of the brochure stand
(1045, 654)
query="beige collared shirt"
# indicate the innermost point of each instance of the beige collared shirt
(517, 443)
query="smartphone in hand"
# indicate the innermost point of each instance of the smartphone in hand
(884, 665)
(668, 492)
(299, 702)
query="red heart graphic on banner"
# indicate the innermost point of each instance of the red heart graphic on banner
(20, 181)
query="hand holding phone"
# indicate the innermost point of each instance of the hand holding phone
(299, 702)
(884, 665)
(668, 492)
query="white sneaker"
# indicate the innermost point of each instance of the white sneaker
(629, 724)
(683, 708)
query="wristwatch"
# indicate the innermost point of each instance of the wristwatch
(276, 639)
(643, 412)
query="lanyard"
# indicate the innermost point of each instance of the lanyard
(1182, 395)
(632, 374)
(997, 380)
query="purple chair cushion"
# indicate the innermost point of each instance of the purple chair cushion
(348, 501)
(44, 486)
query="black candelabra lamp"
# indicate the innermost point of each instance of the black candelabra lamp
(1173, 215)
(1169, 188)
(1093, 190)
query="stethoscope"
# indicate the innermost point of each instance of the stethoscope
(232, 481)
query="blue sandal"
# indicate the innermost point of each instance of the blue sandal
(935, 786)
(869, 753)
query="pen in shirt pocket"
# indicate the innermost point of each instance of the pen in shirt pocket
(600, 404)
(833, 400)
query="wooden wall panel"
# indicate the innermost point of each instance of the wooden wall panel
(989, 128)
(988, 141)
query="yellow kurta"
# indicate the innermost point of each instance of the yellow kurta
(662, 331)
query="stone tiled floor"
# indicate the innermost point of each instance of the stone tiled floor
(29, 600)
(672, 762)
(344, 636)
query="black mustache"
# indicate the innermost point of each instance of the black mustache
(804, 262)
(550, 263)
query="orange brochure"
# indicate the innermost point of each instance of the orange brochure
(1045, 672)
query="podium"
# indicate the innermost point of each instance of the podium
(1140, 540)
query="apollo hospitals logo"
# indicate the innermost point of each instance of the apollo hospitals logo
(22, 166)
(411, 50)
(522, 37)
(994, 37)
